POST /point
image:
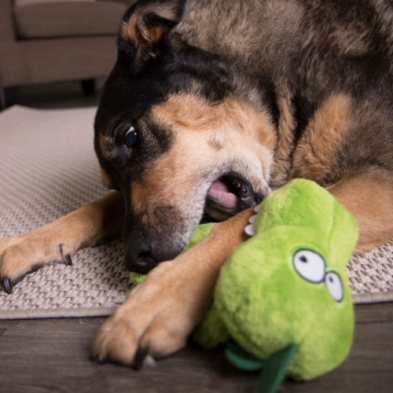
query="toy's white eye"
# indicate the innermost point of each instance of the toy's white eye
(310, 265)
(334, 286)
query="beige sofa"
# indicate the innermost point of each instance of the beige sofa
(50, 40)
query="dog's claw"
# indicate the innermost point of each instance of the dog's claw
(7, 285)
(95, 357)
(68, 260)
(140, 357)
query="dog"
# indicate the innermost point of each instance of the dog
(210, 106)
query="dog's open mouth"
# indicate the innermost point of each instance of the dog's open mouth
(228, 195)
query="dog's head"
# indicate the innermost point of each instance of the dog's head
(177, 132)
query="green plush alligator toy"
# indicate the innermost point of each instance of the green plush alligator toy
(282, 301)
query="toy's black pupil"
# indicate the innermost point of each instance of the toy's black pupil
(303, 258)
(131, 137)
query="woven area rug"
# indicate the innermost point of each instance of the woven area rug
(47, 169)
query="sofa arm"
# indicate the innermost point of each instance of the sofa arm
(13, 67)
(7, 29)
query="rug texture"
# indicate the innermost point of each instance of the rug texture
(47, 169)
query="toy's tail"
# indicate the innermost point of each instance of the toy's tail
(273, 371)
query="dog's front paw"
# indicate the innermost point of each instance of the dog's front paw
(20, 255)
(155, 320)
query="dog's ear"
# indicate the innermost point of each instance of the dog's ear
(145, 27)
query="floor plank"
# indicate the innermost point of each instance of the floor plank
(53, 356)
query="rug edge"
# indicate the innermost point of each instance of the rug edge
(57, 313)
(372, 298)
(106, 311)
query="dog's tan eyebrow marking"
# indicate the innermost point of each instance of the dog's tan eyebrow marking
(192, 113)
(322, 138)
(106, 146)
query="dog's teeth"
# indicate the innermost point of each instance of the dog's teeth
(253, 218)
(250, 230)
(256, 210)
(237, 186)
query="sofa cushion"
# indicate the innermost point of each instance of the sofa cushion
(68, 19)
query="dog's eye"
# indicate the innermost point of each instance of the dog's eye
(131, 137)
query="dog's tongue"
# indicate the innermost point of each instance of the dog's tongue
(221, 194)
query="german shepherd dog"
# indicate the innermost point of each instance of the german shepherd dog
(211, 105)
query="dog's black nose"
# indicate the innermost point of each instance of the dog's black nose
(138, 257)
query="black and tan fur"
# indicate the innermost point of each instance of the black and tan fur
(253, 93)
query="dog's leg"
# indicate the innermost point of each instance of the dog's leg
(369, 197)
(160, 313)
(96, 221)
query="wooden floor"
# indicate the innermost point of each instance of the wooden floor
(38, 356)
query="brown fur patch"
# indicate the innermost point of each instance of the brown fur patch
(369, 197)
(286, 127)
(106, 180)
(157, 188)
(136, 29)
(106, 146)
(194, 114)
(318, 146)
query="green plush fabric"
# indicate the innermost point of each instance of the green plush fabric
(137, 278)
(266, 298)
